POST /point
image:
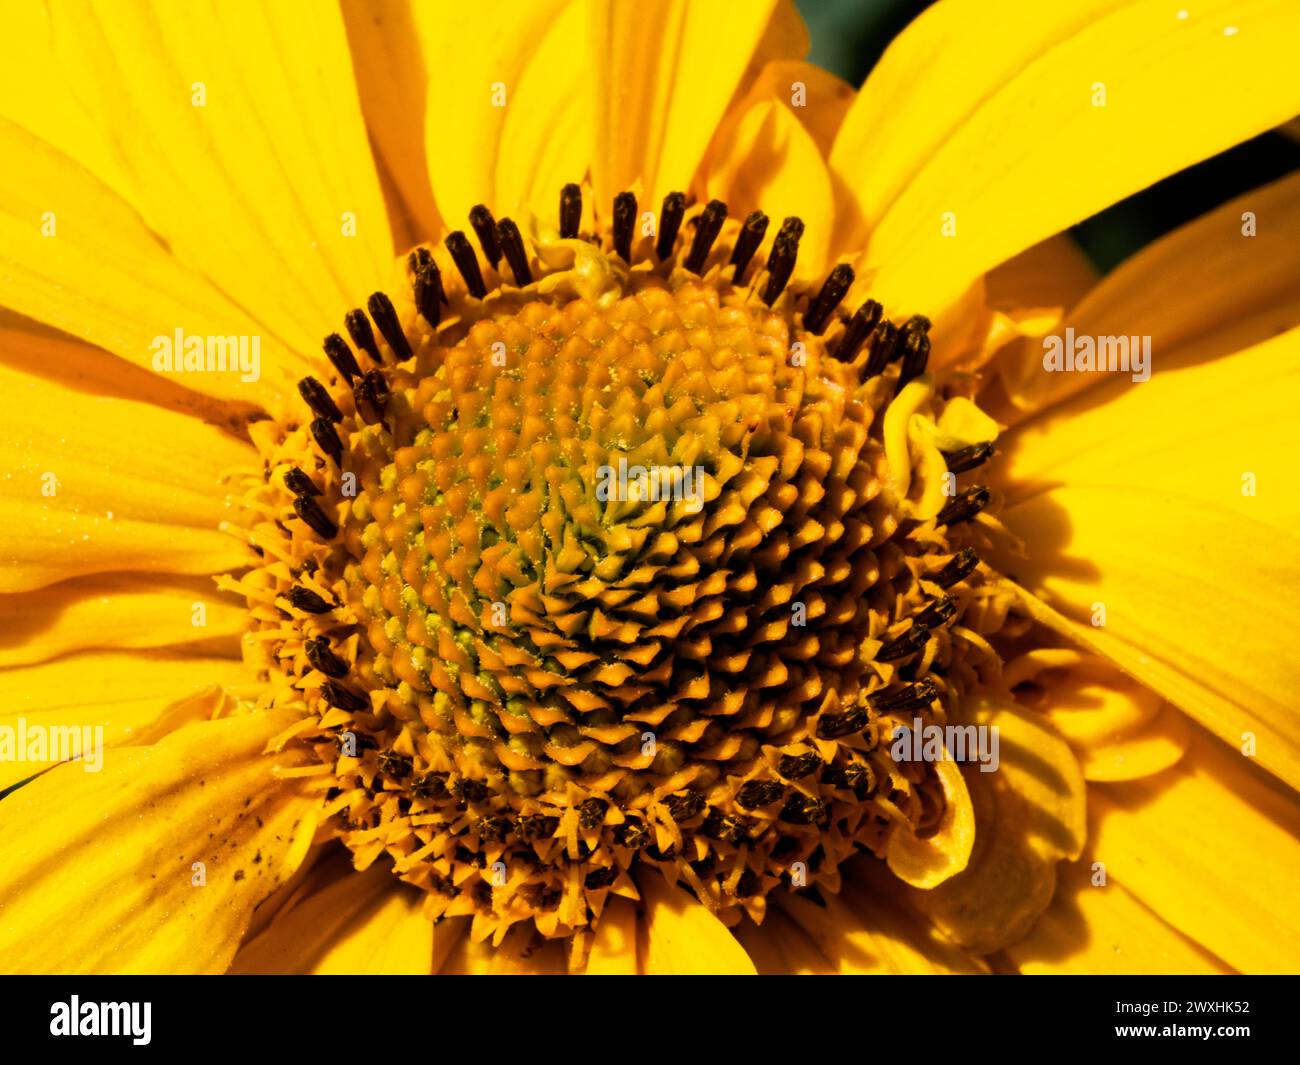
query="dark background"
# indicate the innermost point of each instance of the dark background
(848, 37)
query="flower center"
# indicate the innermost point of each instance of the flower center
(613, 567)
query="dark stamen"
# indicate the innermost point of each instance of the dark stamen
(856, 332)
(938, 613)
(341, 697)
(913, 697)
(918, 323)
(422, 259)
(485, 228)
(968, 457)
(670, 221)
(341, 357)
(309, 510)
(798, 766)
(624, 221)
(361, 333)
(467, 263)
(909, 643)
(964, 506)
(372, 397)
(428, 293)
(323, 659)
(883, 345)
(802, 809)
(512, 243)
(751, 236)
(957, 568)
(780, 264)
(707, 228)
(319, 400)
(754, 794)
(385, 316)
(309, 602)
(833, 289)
(328, 439)
(916, 353)
(299, 483)
(570, 211)
(835, 726)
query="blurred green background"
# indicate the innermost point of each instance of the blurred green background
(848, 37)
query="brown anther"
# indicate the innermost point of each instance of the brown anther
(570, 211)
(341, 357)
(884, 345)
(909, 643)
(968, 458)
(390, 326)
(670, 221)
(307, 601)
(833, 290)
(911, 697)
(512, 244)
(318, 399)
(328, 439)
(485, 228)
(860, 327)
(362, 335)
(299, 483)
(938, 613)
(458, 247)
(310, 512)
(747, 242)
(707, 227)
(624, 222)
(957, 568)
(323, 659)
(780, 263)
(343, 698)
(964, 506)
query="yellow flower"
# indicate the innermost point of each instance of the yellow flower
(573, 600)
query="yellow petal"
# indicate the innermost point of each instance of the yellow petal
(392, 85)
(40, 351)
(1211, 847)
(1119, 729)
(1015, 303)
(115, 610)
(119, 850)
(765, 159)
(1095, 927)
(665, 74)
(908, 108)
(109, 484)
(613, 950)
(360, 924)
(474, 57)
(135, 698)
(929, 861)
(870, 931)
(102, 276)
(779, 947)
(1029, 814)
(266, 184)
(548, 137)
(684, 938)
(1207, 286)
(1189, 568)
(1036, 155)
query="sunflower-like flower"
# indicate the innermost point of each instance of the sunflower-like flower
(677, 556)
